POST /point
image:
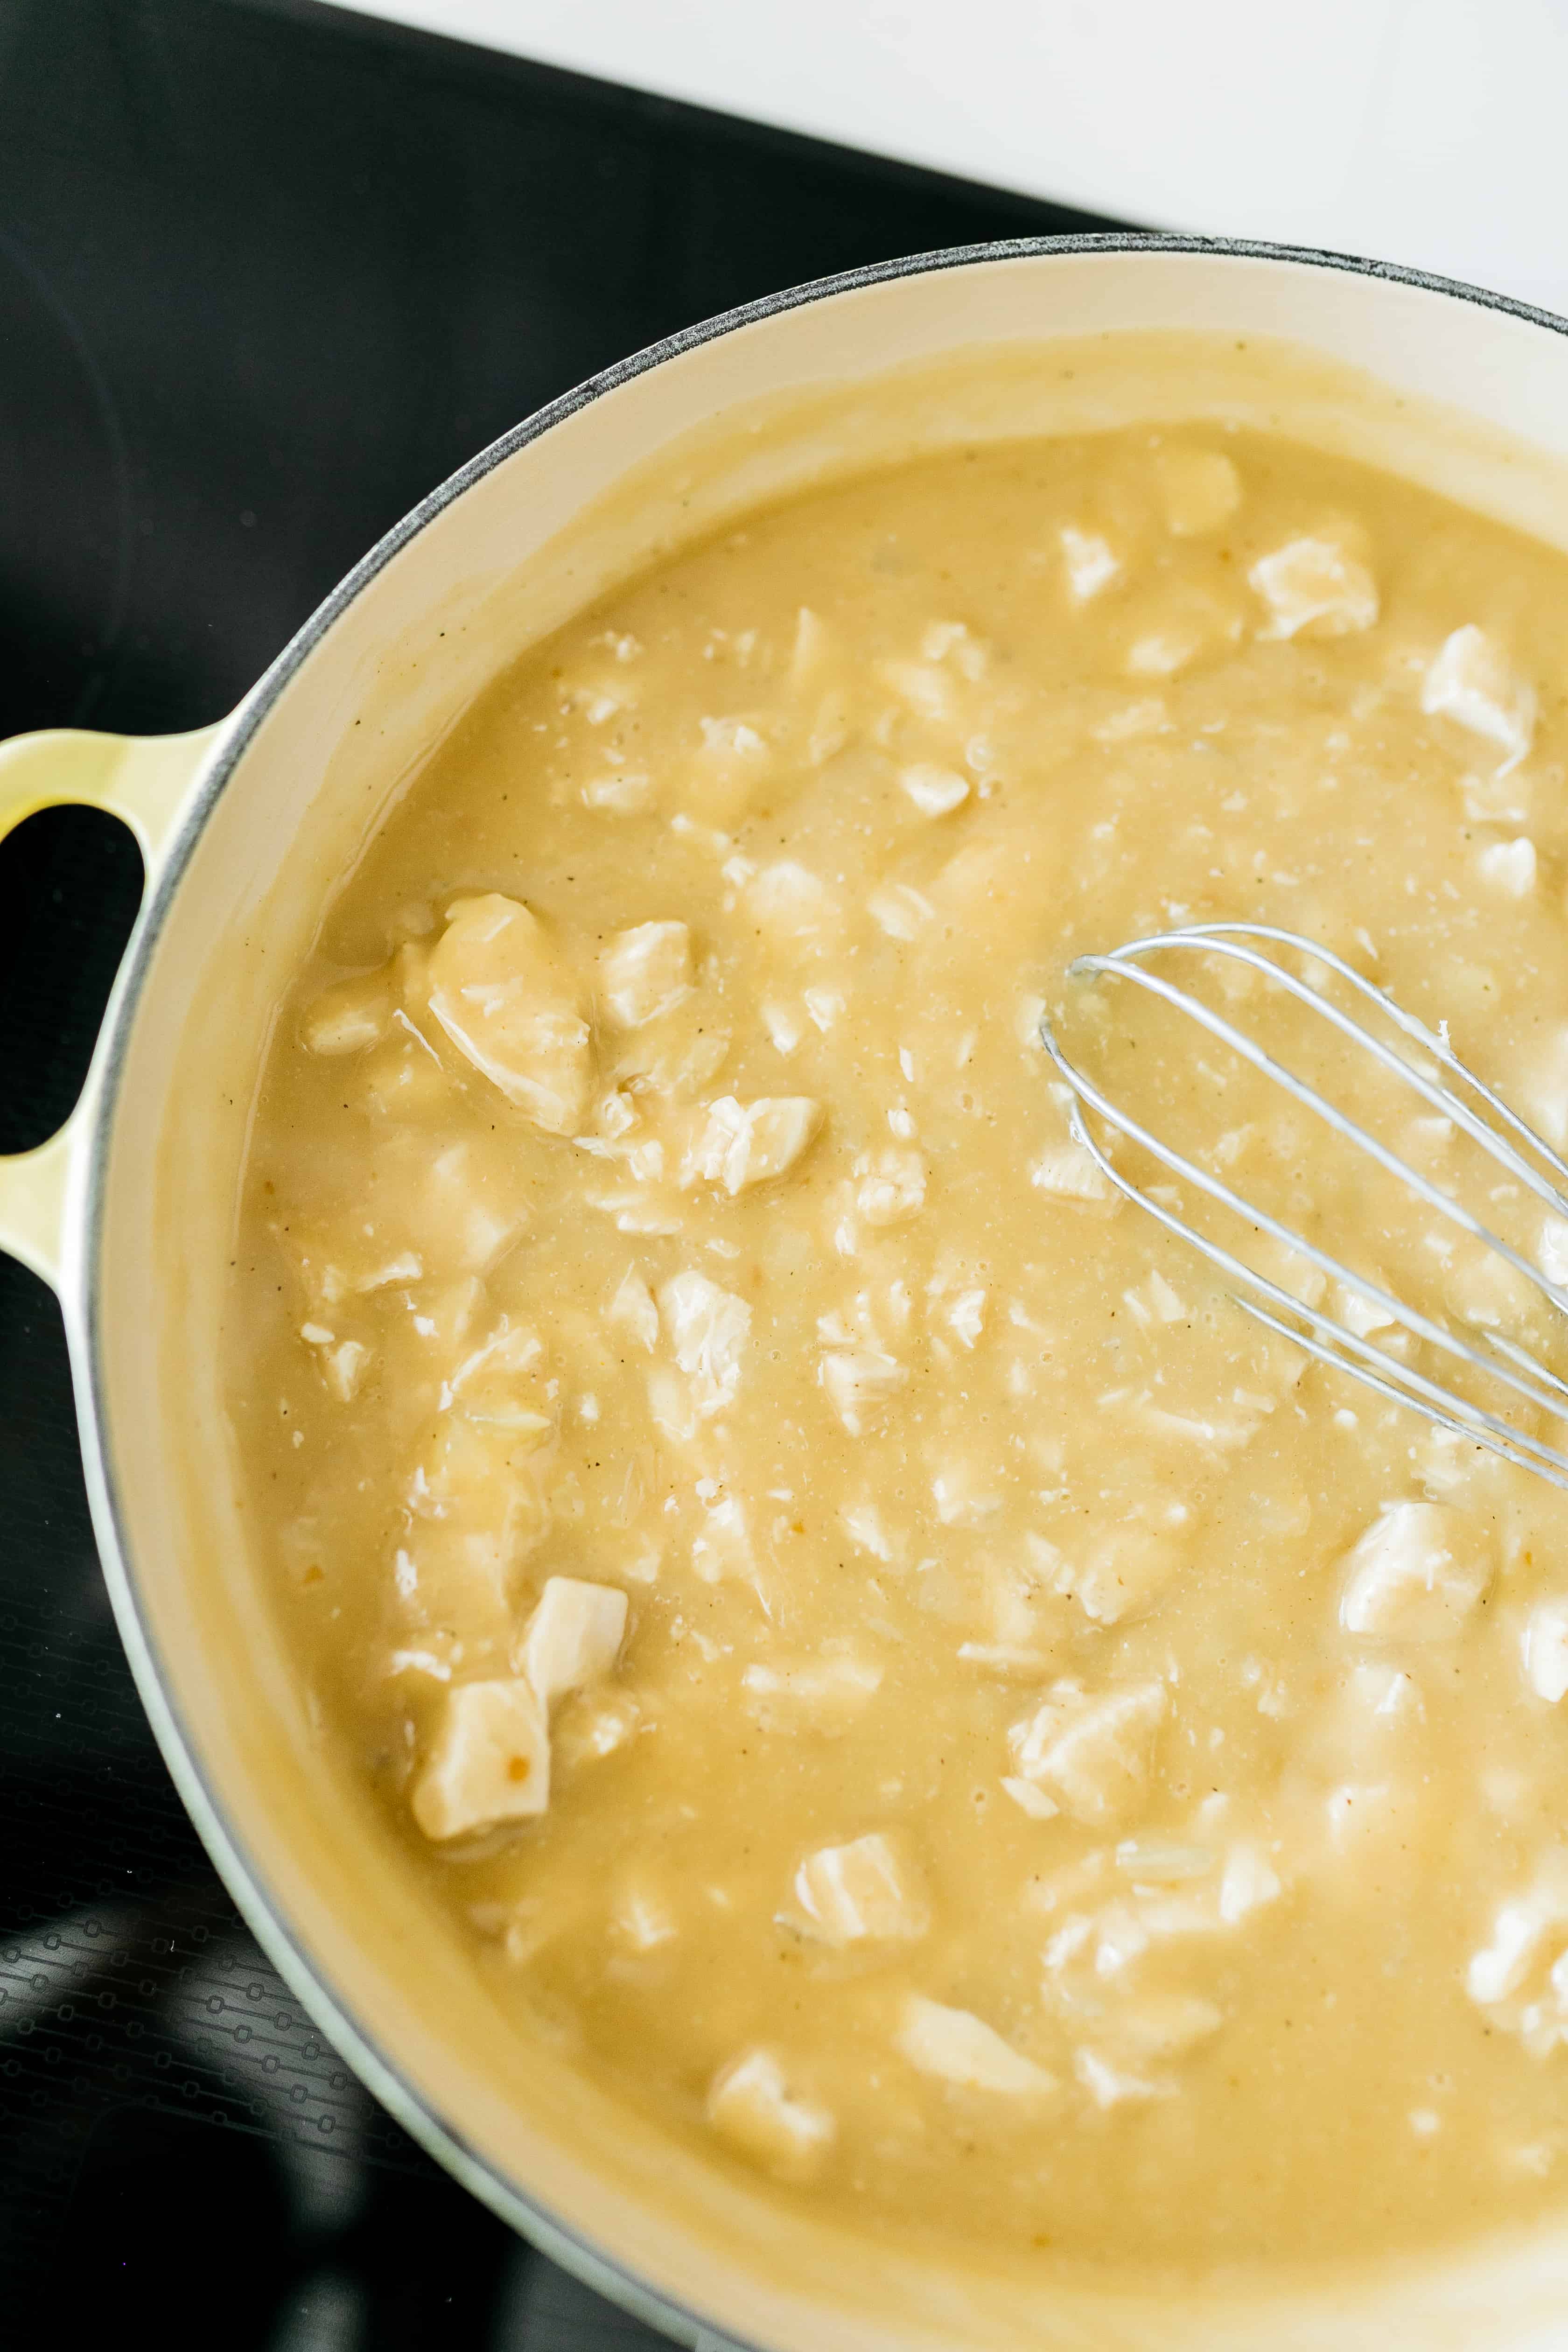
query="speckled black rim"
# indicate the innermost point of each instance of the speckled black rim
(327, 2001)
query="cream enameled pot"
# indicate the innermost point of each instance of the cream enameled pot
(129, 1211)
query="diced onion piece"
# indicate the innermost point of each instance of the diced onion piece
(1068, 1172)
(634, 1308)
(347, 1018)
(936, 791)
(1031, 1800)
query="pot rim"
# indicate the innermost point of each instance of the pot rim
(520, 2209)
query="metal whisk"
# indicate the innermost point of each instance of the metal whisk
(1484, 1116)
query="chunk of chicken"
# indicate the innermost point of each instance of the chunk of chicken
(861, 1892)
(1315, 584)
(1181, 625)
(481, 1477)
(1092, 1752)
(634, 1309)
(450, 1215)
(987, 901)
(342, 1365)
(508, 999)
(1090, 563)
(1122, 1575)
(733, 759)
(349, 1016)
(861, 1383)
(489, 1762)
(956, 2046)
(1545, 1648)
(936, 791)
(740, 1144)
(453, 1586)
(1415, 1574)
(708, 1328)
(1199, 488)
(892, 1187)
(644, 972)
(723, 1548)
(750, 2104)
(1510, 867)
(1470, 682)
(1249, 1882)
(1521, 1927)
(468, 1211)
(573, 1636)
(793, 907)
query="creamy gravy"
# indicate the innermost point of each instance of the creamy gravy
(896, 1672)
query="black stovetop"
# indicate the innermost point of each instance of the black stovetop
(266, 274)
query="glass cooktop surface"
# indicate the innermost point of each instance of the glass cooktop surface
(268, 273)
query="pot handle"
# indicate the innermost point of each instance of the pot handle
(144, 780)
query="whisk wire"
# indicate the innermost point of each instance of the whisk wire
(1329, 1340)
(1391, 1308)
(1229, 1035)
(1219, 938)
(1412, 1026)
(1480, 1427)
(1400, 1382)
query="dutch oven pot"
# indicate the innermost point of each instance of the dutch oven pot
(129, 1211)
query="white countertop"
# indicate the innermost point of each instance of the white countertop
(1428, 131)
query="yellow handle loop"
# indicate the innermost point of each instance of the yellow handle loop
(145, 782)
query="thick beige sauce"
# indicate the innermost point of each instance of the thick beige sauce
(874, 1644)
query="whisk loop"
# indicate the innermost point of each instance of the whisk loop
(1495, 1127)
